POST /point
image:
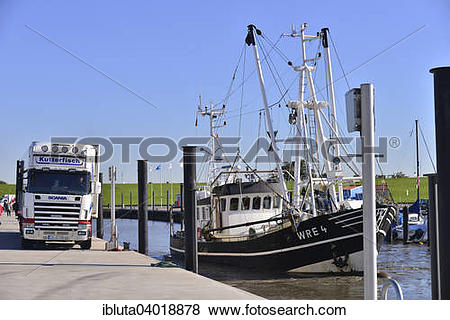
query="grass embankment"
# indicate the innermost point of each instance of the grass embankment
(404, 189)
(130, 190)
(397, 186)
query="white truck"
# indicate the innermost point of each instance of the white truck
(59, 186)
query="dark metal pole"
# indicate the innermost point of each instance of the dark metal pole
(142, 207)
(181, 197)
(167, 201)
(122, 205)
(389, 235)
(405, 225)
(442, 120)
(100, 226)
(19, 184)
(153, 201)
(432, 195)
(131, 200)
(19, 192)
(190, 240)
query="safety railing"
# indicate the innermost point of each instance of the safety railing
(395, 285)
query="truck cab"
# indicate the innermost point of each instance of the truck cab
(59, 194)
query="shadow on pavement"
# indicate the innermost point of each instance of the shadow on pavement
(10, 240)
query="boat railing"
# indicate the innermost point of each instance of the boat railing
(397, 289)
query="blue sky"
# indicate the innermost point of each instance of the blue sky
(171, 51)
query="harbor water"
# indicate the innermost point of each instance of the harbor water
(408, 264)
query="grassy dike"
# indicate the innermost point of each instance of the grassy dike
(397, 186)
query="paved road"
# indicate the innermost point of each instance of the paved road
(71, 273)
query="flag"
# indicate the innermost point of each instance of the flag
(158, 167)
(418, 181)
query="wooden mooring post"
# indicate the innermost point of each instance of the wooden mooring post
(190, 239)
(142, 207)
(441, 248)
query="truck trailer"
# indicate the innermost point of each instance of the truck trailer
(58, 190)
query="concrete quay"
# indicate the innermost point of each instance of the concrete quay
(66, 272)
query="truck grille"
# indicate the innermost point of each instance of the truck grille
(61, 216)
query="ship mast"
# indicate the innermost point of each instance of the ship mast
(417, 158)
(212, 113)
(251, 41)
(302, 130)
(330, 87)
(303, 108)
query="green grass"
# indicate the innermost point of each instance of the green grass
(128, 190)
(131, 190)
(397, 186)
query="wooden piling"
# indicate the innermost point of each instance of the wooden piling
(142, 207)
(405, 224)
(131, 200)
(190, 239)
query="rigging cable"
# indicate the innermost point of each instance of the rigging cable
(274, 46)
(241, 84)
(339, 60)
(227, 96)
(426, 146)
(242, 98)
(257, 140)
(266, 57)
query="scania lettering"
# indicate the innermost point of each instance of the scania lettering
(59, 193)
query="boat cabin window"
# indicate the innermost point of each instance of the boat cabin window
(198, 213)
(205, 213)
(223, 205)
(276, 202)
(256, 203)
(234, 204)
(267, 202)
(245, 203)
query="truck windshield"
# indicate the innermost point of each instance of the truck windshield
(52, 182)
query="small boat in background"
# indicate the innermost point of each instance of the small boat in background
(417, 223)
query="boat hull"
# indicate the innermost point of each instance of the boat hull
(333, 239)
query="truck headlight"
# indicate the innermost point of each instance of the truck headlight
(84, 224)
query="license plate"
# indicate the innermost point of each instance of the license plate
(55, 237)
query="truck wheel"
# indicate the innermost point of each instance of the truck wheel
(27, 244)
(86, 245)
